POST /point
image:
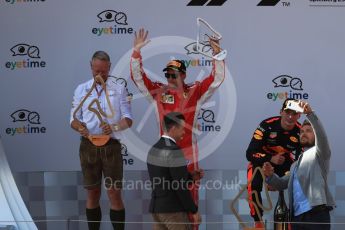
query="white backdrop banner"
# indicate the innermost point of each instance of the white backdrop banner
(276, 49)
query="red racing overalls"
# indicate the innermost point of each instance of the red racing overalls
(187, 102)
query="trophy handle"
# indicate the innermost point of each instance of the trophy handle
(205, 29)
(83, 101)
(97, 140)
(270, 206)
(98, 78)
(97, 112)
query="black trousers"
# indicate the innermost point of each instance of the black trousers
(317, 219)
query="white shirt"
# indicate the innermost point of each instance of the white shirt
(118, 99)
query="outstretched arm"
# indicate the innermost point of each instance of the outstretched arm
(272, 179)
(321, 141)
(138, 75)
(140, 39)
(215, 79)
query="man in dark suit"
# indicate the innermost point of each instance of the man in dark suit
(171, 200)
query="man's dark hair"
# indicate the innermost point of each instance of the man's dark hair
(101, 55)
(172, 119)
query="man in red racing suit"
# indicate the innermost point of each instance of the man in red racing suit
(176, 96)
(275, 140)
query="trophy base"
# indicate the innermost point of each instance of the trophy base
(99, 140)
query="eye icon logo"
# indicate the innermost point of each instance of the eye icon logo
(121, 81)
(26, 115)
(124, 151)
(119, 21)
(113, 16)
(127, 160)
(288, 81)
(207, 115)
(25, 50)
(191, 48)
(118, 80)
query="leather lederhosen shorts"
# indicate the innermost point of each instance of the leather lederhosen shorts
(101, 161)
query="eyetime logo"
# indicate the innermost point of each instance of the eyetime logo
(126, 159)
(112, 16)
(294, 86)
(23, 1)
(28, 122)
(30, 54)
(191, 49)
(207, 122)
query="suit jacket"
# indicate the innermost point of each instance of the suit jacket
(312, 170)
(169, 177)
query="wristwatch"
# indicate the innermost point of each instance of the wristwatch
(116, 127)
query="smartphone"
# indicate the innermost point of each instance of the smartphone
(293, 105)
